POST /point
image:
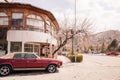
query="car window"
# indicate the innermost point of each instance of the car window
(18, 56)
(30, 56)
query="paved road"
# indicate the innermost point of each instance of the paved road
(93, 67)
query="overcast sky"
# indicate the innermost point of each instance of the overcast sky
(105, 14)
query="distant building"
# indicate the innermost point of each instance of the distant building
(26, 28)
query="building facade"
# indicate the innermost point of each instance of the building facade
(26, 28)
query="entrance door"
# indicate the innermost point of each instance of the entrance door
(31, 47)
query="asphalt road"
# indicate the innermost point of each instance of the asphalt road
(93, 67)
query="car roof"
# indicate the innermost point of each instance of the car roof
(10, 55)
(7, 56)
(23, 52)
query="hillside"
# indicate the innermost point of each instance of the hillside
(106, 36)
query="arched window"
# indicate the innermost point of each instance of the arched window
(48, 27)
(35, 21)
(3, 18)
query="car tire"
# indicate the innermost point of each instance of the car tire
(5, 70)
(52, 68)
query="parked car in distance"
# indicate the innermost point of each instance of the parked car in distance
(27, 61)
(113, 53)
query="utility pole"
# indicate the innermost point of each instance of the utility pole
(75, 15)
(72, 32)
(75, 28)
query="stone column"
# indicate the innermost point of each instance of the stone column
(8, 47)
(23, 46)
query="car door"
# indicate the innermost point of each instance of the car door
(19, 61)
(32, 61)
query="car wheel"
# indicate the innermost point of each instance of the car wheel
(52, 68)
(5, 70)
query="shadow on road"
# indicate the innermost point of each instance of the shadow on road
(28, 73)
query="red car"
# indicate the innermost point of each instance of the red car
(27, 61)
(113, 53)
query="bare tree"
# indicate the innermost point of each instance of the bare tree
(84, 37)
(66, 32)
(6, 1)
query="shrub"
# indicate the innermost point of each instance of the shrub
(79, 57)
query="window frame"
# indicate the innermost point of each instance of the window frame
(16, 46)
(28, 47)
(17, 23)
(5, 16)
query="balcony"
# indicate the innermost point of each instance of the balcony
(30, 36)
